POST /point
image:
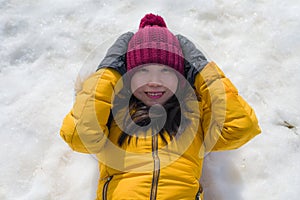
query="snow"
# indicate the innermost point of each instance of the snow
(45, 44)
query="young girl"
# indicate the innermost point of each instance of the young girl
(150, 127)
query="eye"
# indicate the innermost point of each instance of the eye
(143, 70)
(166, 70)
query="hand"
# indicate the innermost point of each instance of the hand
(115, 56)
(194, 60)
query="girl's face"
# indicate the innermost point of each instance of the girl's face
(154, 83)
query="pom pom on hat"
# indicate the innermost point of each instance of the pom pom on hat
(152, 20)
(154, 43)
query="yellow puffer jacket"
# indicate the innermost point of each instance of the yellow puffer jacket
(147, 168)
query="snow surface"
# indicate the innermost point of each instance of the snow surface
(45, 44)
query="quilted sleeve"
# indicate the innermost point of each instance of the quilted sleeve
(85, 126)
(227, 121)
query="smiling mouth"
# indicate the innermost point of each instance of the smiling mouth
(154, 95)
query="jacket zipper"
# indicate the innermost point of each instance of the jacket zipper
(105, 187)
(156, 170)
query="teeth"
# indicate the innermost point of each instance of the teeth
(154, 93)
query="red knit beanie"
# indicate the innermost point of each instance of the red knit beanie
(154, 43)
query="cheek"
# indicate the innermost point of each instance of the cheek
(171, 82)
(139, 94)
(135, 83)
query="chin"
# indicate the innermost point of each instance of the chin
(155, 103)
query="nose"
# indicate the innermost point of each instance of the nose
(154, 80)
(154, 84)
